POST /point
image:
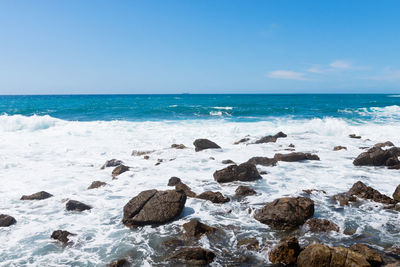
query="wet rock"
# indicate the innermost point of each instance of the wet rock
(173, 181)
(211, 158)
(263, 172)
(295, 156)
(310, 191)
(243, 191)
(360, 190)
(354, 136)
(73, 205)
(119, 170)
(376, 156)
(61, 236)
(336, 148)
(321, 225)
(387, 143)
(270, 138)
(370, 255)
(286, 213)
(286, 251)
(318, 255)
(201, 144)
(193, 256)
(97, 184)
(183, 187)
(227, 161)
(243, 140)
(173, 243)
(194, 228)
(111, 163)
(139, 153)
(291, 145)
(119, 263)
(396, 194)
(146, 157)
(214, 197)
(178, 146)
(344, 199)
(249, 244)
(158, 162)
(264, 161)
(6, 220)
(37, 196)
(243, 172)
(153, 207)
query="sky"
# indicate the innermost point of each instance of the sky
(193, 46)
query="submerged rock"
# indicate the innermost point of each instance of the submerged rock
(97, 184)
(243, 140)
(173, 243)
(336, 148)
(295, 156)
(73, 205)
(111, 163)
(37, 196)
(153, 207)
(370, 255)
(270, 138)
(354, 136)
(119, 170)
(359, 189)
(243, 191)
(193, 256)
(344, 198)
(242, 172)
(228, 161)
(178, 146)
(321, 225)
(264, 161)
(195, 228)
(6, 220)
(119, 263)
(286, 251)
(396, 194)
(139, 153)
(376, 156)
(286, 213)
(61, 236)
(173, 181)
(201, 144)
(214, 197)
(310, 191)
(249, 244)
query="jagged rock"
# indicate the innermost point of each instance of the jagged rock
(152, 207)
(396, 194)
(354, 136)
(318, 255)
(370, 255)
(336, 148)
(310, 191)
(173, 181)
(286, 251)
(97, 184)
(61, 236)
(249, 244)
(344, 198)
(178, 146)
(321, 225)
(387, 143)
(6, 220)
(270, 138)
(286, 213)
(111, 163)
(376, 156)
(194, 228)
(119, 263)
(227, 161)
(214, 197)
(201, 144)
(243, 191)
(183, 187)
(73, 205)
(242, 172)
(139, 153)
(37, 196)
(243, 140)
(264, 161)
(193, 256)
(119, 170)
(295, 156)
(359, 189)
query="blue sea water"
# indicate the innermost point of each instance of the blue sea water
(235, 107)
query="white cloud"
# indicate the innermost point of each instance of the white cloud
(316, 69)
(341, 64)
(287, 75)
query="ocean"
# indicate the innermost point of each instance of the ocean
(59, 143)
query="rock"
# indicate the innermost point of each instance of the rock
(119, 263)
(201, 144)
(344, 198)
(387, 143)
(286, 251)
(270, 138)
(263, 172)
(322, 225)
(6, 220)
(264, 161)
(211, 158)
(146, 157)
(249, 244)
(318, 255)
(61, 236)
(359, 189)
(243, 191)
(295, 156)
(111, 163)
(173, 181)
(182, 187)
(119, 170)
(228, 161)
(286, 213)
(243, 172)
(173, 243)
(291, 145)
(139, 153)
(178, 146)
(193, 256)
(396, 194)
(370, 255)
(243, 140)
(73, 205)
(96, 184)
(310, 191)
(152, 207)
(37, 196)
(194, 228)
(376, 156)
(214, 197)
(354, 136)
(158, 162)
(336, 148)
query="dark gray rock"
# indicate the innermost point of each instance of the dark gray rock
(37, 196)
(295, 156)
(270, 138)
(195, 228)
(193, 256)
(96, 184)
(178, 146)
(73, 205)
(227, 161)
(264, 161)
(243, 191)
(6, 220)
(173, 181)
(119, 170)
(111, 163)
(376, 156)
(214, 197)
(359, 189)
(201, 144)
(61, 236)
(243, 172)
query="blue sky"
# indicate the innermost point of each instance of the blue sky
(58, 47)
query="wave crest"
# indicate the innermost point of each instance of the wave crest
(12, 123)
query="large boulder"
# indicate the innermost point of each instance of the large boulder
(270, 138)
(61, 236)
(243, 172)
(359, 189)
(111, 163)
(153, 207)
(286, 213)
(264, 161)
(295, 156)
(96, 184)
(377, 156)
(37, 196)
(286, 251)
(214, 197)
(195, 228)
(193, 256)
(119, 170)
(396, 194)
(6, 220)
(244, 191)
(318, 255)
(74, 205)
(370, 255)
(201, 144)
(321, 225)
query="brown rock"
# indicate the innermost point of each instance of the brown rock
(73, 205)
(183, 187)
(173, 181)
(201, 144)
(321, 225)
(214, 197)
(111, 163)
(243, 191)
(193, 256)
(344, 199)
(227, 161)
(97, 184)
(336, 148)
(354, 136)
(270, 138)
(387, 143)
(61, 236)
(119, 263)
(119, 170)
(286, 251)
(376, 156)
(6, 220)
(178, 146)
(37, 196)
(360, 190)
(243, 140)
(194, 228)
(291, 145)
(173, 243)
(295, 156)
(242, 172)
(139, 153)
(264, 161)
(310, 191)
(370, 255)
(249, 244)
(396, 194)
